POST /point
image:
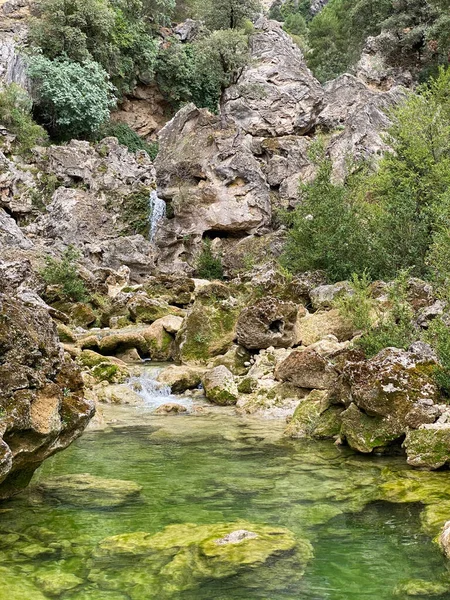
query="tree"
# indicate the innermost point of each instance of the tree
(15, 115)
(71, 99)
(228, 14)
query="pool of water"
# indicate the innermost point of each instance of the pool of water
(217, 468)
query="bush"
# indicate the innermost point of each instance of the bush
(15, 115)
(359, 307)
(438, 335)
(72, 99)
(209, 264)
(63, 273)
(127, 137)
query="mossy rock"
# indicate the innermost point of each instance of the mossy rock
(307, 415)
(55, 582)
(87, 491)
(421, 588)
(367, 434)
(220, 386)
(148, 310)
(428, 447)
(82, 315)
(104, 368)
(209, 328)
(234, 360)
(182, 557)
(65, 334)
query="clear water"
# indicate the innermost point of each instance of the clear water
(157, 213)
(214, 468)
(155, 394)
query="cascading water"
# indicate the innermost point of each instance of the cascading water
(154, 393)
(157, 213)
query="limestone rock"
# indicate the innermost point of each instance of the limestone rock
(315, 417)
(429, 446)
(88, 491)
(170, 408)
(144, 110)
(41, 394)
(181, 378)
(307, 369)
(276, 94)
(236, 360)
(269, 322)
(212, 183)
(147, 310)
(314, 327)
(444, 539)
(104, 368)
(325, 296)
(220, 386)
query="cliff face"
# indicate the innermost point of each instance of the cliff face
(42, 406)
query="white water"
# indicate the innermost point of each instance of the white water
(157, 213)
(153, 393)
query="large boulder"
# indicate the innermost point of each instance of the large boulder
(386, 397)
(307, 369)
(315, 327)
(269, 322)
(276, 94)
(212, 183)
(220, 386)
(429, 446)
(42, 406)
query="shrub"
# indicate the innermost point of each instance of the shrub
(359, 307)
(127, 137)
(72, 99)
(63, 273)
(209, 264)
(15, 115)
(438, 335)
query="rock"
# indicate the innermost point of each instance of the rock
(82, 314)
(56, 582)
(269, 322)
(325, 296)
(209, 328)
(120, 394)
(145, 110)
(170, 408)
(104, 368)
(41, 395)
(220, 386)
(307, 369)
(212, 183)
(390, 394)
(65, 334)
(180, 379)
(188, 30)
(315, 418)
(314, 327)
(185, 556)
(429, 446)
(444, 539)
(362, 112)
(147, 310)
(160, 343)
(268, 399)
(235, 360)
(11, 234)
(87, 491)
(428, 313)
(276, 94)
(414, 588)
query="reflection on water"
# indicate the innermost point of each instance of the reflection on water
(209, 469)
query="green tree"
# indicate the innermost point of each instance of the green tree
(63, 273)
(71, 99)
(15, 115)
(228, 14)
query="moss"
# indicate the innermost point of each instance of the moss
(65, 334)
(247, 385)
(414, 588)
(366, 434)
(136, 213)
(428, 448)
(161, 348)
(106, 372)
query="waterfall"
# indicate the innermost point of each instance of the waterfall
(152, 392)
(157, 213)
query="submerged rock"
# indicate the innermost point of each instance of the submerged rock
(89, 491)
(182, 557)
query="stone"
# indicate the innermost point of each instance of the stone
(428, 447)
(147, 310)
(325, 296)
(268, 399)
(276, 94)
(160, 343)
(209, 328)
(220, 386)
(307, 369)
(87, 491)
(212, 183)
(56, 582)
(444, 539)
(120, 394)
(170, 408)
(184, 556)
(314, 327)
(367, 434)
(236, 360)
(269, 322)
(65, 334)
(43, 408)
(145, 110)
(414, 588)
(315, 418)
(180, 378)
(104, 368)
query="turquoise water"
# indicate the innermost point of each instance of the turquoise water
(217, 468)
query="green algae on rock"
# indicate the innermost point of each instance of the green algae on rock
(428, 447)
(419, 588)
(220, 386)
(88, 491)
(315, 417)
(181, 557)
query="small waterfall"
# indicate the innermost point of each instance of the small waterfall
(157, 213)
(154, 393)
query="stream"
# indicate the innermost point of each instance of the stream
(210, 467)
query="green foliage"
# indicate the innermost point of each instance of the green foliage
(127, 137)
(209, 264)
(392, 219)
(113, 33)
(327, 229)
(71, 99)
(199, 72)
(135, 211)
(227, 14)
(63, 273)
(358, 307)
(15, 115)
(438, 335)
